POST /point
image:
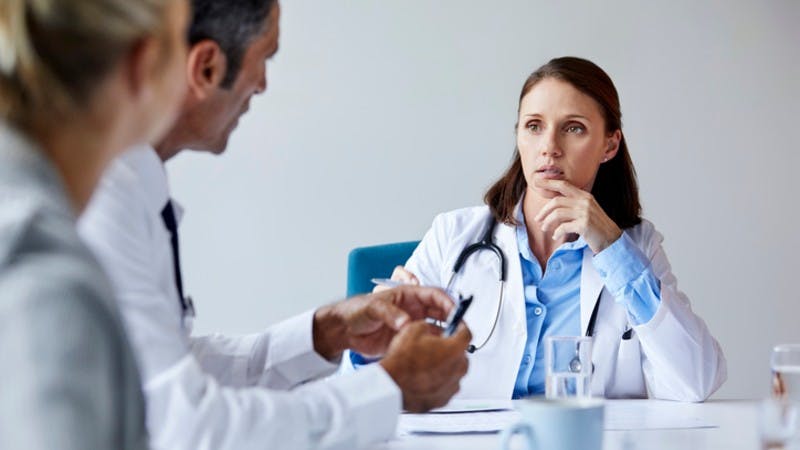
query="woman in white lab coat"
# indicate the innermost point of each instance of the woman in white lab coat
(566, 217)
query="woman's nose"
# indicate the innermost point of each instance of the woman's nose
(550, 147)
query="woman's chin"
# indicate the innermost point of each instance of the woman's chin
(544, 193)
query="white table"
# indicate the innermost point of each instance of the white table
(736, 427)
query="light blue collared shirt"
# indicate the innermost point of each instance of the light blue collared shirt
(552, 299)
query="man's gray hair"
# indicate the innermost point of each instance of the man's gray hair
(232, 24)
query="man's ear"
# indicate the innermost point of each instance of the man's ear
(205, 68)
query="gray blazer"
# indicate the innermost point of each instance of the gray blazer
(68, 378)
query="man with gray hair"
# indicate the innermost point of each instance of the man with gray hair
(220, 392)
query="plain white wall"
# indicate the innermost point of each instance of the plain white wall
(380, 114)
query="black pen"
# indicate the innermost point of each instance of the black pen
(463, 305)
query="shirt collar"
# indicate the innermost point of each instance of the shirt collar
(148, 167)
(522, 236)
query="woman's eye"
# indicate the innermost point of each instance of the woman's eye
(576, 129)
(534, 127)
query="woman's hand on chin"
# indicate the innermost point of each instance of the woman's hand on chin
(576, 211)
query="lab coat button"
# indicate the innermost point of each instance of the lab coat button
(538, 310)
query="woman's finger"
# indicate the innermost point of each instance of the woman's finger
(404, 276)
(562, 187)
(554, 203)
(571, 227)
(557, 217)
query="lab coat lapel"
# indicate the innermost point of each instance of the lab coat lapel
(591, 286)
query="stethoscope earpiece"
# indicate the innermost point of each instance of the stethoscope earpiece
(471, 349)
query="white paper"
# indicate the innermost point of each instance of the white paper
(652, 415)
(456, 423)
(474, 405)
(619, 415)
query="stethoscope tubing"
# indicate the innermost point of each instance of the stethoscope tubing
(487, 243)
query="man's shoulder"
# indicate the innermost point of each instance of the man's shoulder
(129, 178)
(126, 200)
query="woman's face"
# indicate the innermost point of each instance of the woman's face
(562, 135)
(168, 83)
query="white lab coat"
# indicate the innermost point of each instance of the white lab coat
(673, 356)
(220, 392)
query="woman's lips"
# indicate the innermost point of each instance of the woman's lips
(550, 173)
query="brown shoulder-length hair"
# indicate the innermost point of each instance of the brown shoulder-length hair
(615, 187)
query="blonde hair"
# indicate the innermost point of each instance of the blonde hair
(53, 52)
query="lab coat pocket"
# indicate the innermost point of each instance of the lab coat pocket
(628, 377)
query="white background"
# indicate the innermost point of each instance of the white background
(380, 114)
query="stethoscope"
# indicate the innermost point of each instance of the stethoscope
(487, 243)
(187, 312)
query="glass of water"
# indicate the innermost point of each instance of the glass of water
(568, 366)
(777, 423)
(779, 415)
(785, 366)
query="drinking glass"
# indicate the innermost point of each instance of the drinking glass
(785, 364)
(568, 366)
(779, 415)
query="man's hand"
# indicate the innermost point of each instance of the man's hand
(427, 367)
(368, 323)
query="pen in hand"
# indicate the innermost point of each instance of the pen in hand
(457, 316)
(448, 326)
(388, 282)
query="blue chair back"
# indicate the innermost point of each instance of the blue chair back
(377, 261)
(366, 263)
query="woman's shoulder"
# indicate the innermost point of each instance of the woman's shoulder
(644, 233)
(47, 276)
(42, 254)
(464, 216)
(452, 227)
(461, 220)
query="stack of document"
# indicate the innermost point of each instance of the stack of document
(491, 416)
(461, 416)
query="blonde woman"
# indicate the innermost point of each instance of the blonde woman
(80, 80)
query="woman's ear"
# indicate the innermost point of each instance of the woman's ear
(205, 68)
(612, 146)
(140, 64)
